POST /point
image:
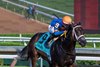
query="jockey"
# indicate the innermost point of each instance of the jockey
(58, 25)
(31, 11)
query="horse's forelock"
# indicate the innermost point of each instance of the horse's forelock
(75, 24)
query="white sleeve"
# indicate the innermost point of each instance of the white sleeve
(51, 29)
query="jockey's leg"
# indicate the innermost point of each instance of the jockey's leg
(49, 41)
(27, 14)
(33, 15)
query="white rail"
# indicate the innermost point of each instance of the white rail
(77, 57)
(14, 39)
(7, 56)
(40, 12)
(20, 38)
(93, 40)
(90, 58)
(47, 8)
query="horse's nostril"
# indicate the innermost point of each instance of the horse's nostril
(82, 38)
(82, 41)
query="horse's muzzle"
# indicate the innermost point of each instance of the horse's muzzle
(82, 41)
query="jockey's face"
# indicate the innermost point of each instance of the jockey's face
(66, 26)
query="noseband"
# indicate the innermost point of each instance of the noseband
(74, 33)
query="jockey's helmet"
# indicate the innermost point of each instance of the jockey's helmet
(67, 20)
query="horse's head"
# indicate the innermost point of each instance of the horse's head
(78, 34)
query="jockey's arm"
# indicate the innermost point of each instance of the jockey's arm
(57, 33)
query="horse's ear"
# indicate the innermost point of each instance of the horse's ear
(79, 23)
(72, 24)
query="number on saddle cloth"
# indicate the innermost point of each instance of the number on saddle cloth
(44, 38)
(40, 44)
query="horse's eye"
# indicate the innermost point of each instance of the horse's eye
(83, 32)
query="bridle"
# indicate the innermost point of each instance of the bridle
(74, 33)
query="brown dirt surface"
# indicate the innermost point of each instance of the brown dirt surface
(11, 22)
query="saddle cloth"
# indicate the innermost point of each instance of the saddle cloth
(40, 44)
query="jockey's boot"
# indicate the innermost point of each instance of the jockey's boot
(49, 40)
(48, 43)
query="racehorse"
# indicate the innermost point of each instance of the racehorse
(66, 45)
(63, 49)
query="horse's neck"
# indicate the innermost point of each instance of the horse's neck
(70, 42)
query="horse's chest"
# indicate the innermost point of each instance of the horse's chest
(66, 57)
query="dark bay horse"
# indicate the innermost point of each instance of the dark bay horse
(63, 49)
(67, 49)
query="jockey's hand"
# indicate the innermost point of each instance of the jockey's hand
(65, 31)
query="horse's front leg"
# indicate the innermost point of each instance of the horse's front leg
(33, 61)
(54, 64)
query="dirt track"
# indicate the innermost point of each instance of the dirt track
(13, 23)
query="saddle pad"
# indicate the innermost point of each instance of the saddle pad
(40, 44)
